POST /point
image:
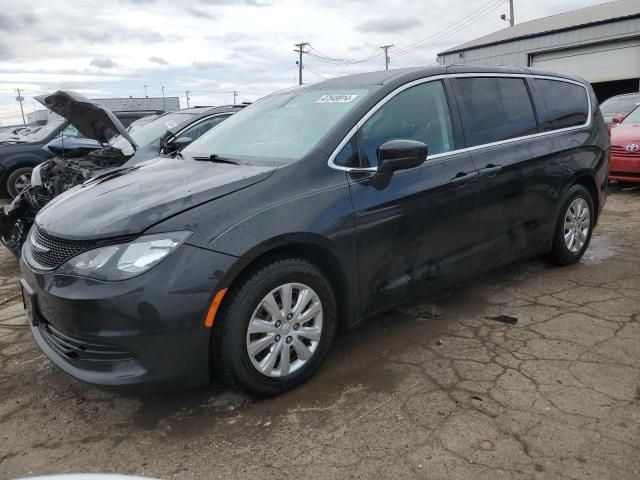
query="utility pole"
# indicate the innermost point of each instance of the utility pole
(512, 20)
(145, 92)
(300, 50)
(20, 99)
(164, 102)
(386, 55)
(235, 94)
(187, 93)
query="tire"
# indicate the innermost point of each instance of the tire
(18, 180)
(564, 252)
(627, 184)
(231, 340)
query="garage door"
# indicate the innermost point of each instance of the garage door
(598, 63)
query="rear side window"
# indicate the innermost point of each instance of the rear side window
(494, 109)
(419, 113)
(201, 128)
(565, 104)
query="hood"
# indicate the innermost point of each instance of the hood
(11, 141)
(8, 149)
(68, 147)
(623, 134)
(90, 118)
(127, 201)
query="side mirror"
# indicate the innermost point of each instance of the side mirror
(401, 155)
(179, 143)
(617, 118)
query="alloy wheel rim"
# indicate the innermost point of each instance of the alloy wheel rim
(285, 330)
(22, 182)
(577, 223)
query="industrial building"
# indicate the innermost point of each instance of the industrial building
(131, 104)
(599, 43)
(119, 105)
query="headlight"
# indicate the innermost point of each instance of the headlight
(36, 177)
(125, 260)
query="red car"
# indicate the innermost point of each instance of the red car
(625, 149)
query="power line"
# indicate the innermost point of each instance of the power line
(314, 52)
(315, 73)
(456, 24)
(236, 87)
(456, 27)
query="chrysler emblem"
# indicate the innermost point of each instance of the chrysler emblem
(37, 246)
(632, 147)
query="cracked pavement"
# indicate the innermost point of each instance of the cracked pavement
(436, 389)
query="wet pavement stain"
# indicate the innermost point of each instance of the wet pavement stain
(600, 249)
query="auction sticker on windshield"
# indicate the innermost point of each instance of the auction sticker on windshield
(171, 124)
(336, 98)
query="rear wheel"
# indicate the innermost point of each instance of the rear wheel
(18, 180)
(574, 227)
(275, 329)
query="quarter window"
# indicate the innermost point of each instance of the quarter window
(348, 155)
(565, 104)
(494, 109)
(419, 113)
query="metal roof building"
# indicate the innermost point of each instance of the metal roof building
(599, 43)
(131, 104)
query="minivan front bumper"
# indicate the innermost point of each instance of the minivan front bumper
(145, 330)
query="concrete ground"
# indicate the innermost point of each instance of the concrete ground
(434, 390)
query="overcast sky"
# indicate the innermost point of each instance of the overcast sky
(112, 48)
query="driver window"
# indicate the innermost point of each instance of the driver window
(419, 113)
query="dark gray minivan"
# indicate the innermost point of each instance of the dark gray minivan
(309, 211)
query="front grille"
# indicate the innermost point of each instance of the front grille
(49, 252)
(77, 349)
(624, 153)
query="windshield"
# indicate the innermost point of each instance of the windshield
(43, 132)
(633, 117)
(282, 127)
(622, 104)
(152, 131)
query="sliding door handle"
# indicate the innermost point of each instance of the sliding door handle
(490, 170)
(463, 178)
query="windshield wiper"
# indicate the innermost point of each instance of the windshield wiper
(216, 159)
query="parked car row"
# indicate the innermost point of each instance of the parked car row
(616, 108)
(625, 149)
(311, 210)
(101, 144)
(20, 154)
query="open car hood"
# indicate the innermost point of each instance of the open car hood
(92, 120)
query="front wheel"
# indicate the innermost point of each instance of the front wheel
(275, 328)
(573, 227)
(18, 180)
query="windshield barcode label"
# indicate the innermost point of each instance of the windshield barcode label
(336, 98)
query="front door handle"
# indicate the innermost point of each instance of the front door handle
(462, 178)
(490, 170)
